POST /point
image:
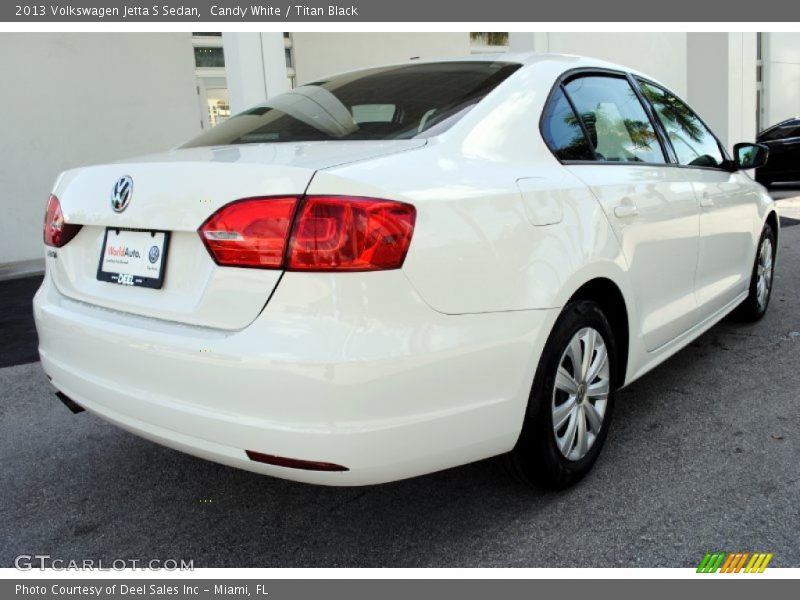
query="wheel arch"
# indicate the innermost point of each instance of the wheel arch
(608, 295)
(772, 219)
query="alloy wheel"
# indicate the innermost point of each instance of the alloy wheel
(764, 272)
(580, 393)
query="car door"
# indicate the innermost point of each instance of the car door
(727, 199)
(652, 210)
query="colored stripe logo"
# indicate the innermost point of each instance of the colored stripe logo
(734, 562)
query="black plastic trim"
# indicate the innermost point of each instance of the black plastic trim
(70, 403)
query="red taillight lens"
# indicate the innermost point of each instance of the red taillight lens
(328, 233)
(350, 234)
(56, 231)
(250, 233)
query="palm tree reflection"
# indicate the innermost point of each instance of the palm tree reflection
(691, 140)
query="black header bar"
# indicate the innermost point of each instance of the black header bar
(439, 11)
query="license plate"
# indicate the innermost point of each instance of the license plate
(133, 257)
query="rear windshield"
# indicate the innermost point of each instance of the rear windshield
(387, 103)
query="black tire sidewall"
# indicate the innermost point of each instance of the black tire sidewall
(756, 311)
(537, 453)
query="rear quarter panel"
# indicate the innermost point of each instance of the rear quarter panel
(476, 247)
(501, 224)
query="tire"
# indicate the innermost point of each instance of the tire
(754, 307)
(538, 458)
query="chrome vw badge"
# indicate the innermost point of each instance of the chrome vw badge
(121, 193)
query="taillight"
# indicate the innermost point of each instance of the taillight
(56, 231)
(350, 234)
(328, 233)
(250, 233)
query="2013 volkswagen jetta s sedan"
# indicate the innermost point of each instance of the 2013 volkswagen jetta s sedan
(403, 269)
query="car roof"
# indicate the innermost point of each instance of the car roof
(567, 61)
(531, 58)
(780, 124)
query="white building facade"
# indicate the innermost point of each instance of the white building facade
(79, 99)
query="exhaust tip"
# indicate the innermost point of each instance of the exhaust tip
(294, 463)
(70, 403)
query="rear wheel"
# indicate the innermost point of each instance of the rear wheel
(571, 402)
(755, 305)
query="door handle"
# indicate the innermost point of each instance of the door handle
(706, 201)
(625, 210)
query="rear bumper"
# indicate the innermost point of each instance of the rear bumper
(349, 369)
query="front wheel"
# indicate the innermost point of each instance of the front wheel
(755, 305)
(571, 401)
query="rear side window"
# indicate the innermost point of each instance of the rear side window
(386, 103)
(693, 142)
(618, 126)
(562, 130)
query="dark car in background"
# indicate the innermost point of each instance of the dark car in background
(783, 141)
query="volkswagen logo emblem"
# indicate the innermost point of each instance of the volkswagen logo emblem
(121, 193)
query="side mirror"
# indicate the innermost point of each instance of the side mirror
(750, 156)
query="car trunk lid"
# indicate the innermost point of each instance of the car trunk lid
(176, 192)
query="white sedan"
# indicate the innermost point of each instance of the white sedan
(403, 269)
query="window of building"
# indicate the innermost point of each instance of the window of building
(617, 124)
(219, 109)
(209, 57)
